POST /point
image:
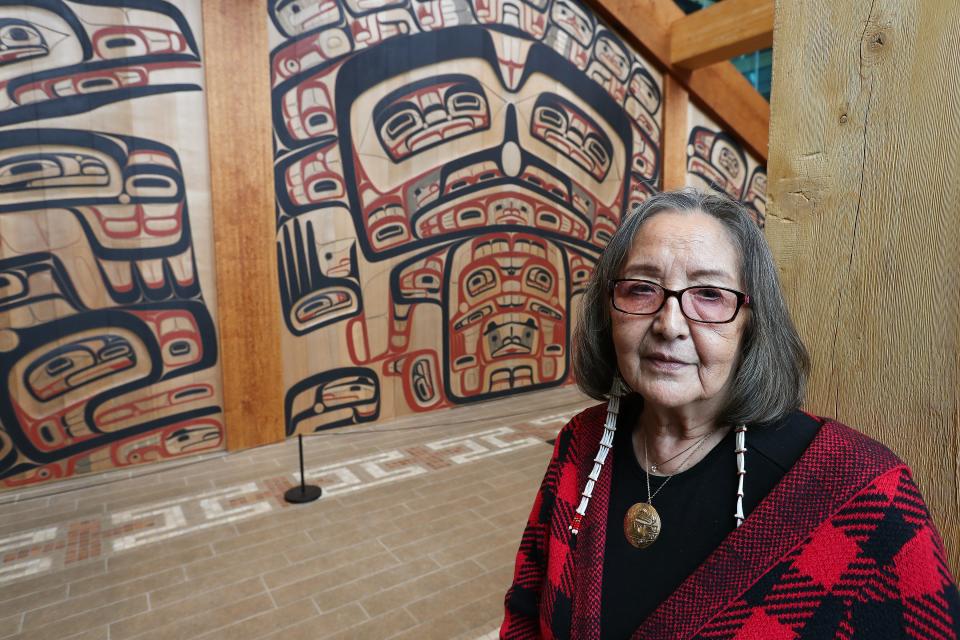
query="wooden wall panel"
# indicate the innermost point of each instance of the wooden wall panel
(863, 221)
(447, 174)
(238, 104)
(108, 348)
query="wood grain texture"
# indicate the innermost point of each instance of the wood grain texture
(863, 224)
(238, 106)
(676, 129)
(726, 96)
(720, 32)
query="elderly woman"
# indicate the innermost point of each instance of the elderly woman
(698, 500)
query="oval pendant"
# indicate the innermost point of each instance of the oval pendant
(641, 525)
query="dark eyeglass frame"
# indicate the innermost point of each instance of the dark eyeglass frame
(743, 300)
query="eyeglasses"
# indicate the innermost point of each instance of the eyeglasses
(714, 305)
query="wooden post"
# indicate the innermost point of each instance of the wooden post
(862, 218)
(238, 108)
(676, 108)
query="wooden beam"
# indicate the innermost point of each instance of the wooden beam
(645, 22)
(722, 91)
(676, 128)
(721, 32)
(242, 196)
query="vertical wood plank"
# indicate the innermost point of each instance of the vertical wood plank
(676, 107)
(862, 220)
(238, 107)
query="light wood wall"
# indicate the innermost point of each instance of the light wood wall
(863, 221)
(108, 343)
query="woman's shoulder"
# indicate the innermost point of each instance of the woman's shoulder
(783, 441)
(584, 425)
(824, 443)
(592, 416)
(854, 446)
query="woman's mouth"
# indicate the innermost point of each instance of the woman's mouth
(662, 362)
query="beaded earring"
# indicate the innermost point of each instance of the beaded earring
(618, 389)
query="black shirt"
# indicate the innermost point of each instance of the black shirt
(696, 512)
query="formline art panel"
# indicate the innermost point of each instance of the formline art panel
(447, 173)
(717, 161)
(108, 350)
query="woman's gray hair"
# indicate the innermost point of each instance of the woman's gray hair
(772, 373)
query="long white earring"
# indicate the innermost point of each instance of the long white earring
(618, 389)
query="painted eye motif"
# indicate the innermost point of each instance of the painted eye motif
(24, 35)
(291, 66)
(295, 17)
(480, 281)
(564, 126)
(540, 279)
(424, 115)
(20, 40)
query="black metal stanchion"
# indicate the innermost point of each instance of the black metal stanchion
(305, 492)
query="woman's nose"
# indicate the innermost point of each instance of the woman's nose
(670, 322)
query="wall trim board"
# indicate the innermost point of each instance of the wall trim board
(242, 194)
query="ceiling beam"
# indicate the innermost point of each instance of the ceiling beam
(720, 90)
(720, 32)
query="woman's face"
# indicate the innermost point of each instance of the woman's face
(673, 362)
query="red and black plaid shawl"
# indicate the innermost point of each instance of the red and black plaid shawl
(842, 547)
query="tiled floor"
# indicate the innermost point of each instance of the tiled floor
(414, 537)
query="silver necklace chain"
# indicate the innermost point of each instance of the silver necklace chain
(693, 449)
(656, 465)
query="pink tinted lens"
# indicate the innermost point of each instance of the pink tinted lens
(637, 297)
(709, 304)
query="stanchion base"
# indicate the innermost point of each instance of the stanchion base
(299, 495)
